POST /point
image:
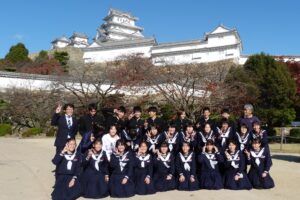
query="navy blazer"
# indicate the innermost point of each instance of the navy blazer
(63, 130)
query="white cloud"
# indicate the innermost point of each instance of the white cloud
(18, 36)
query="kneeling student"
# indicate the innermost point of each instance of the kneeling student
(121, 181)
(67, 171)
(186, 169)
(95, 177)
(143, 172)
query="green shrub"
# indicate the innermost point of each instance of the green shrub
(50, 132)
(295, 132)
(5, 129)
(32, 132)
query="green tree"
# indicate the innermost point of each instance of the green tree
(276, 101)
(62, 57)
(43, 55)
(17, 54)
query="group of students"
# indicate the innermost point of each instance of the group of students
(121, 158)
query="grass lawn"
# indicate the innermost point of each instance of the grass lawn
(286, 148)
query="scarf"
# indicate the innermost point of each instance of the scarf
(153, 142)
(143, 159)
(97, 159)
(122, 161)
(165, 160)
(242, 141)
(70, 158)
(186, 160)
(257, 155)
(171, 141)
(204, 139)
(224, 136)
(233, 158)
(212, 159)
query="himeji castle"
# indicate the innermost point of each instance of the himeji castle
(120, 35)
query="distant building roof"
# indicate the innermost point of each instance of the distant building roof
(80, 35)
(120, 13)
(61, 39)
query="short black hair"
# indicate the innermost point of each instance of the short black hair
(120, 142)
(152, 109)
(98, 140)
(68, 105)
(205, 109)
(225, 110)
(137, 109)
(92, 106)
(122, 109)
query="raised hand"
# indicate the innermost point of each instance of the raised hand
(58, 108)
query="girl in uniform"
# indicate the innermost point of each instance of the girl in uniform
(164, 169)
(67, 163)
(210, 158)
(95, 176)
(143, 172)
(186, 169)
(153, 139)
(207, 134)
(121, 182)
(260, 160)
(235, 176)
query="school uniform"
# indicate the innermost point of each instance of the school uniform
(248, 121)
(154, 142)
(85, 143)
(143, 169)
(203, 137)
(109, 144)
(67, 128)
(181, 124)
(210, 177)
(243, 141)
(186, 166)
(262, 135)
(164, 166)
(222, 139)
(173, 142)
(158, 122)
(202, 121)
(122, 167)
(67, 168)
(93, 176)
(131, 141)
(234, 166)
(260, 162)
(119, 123)
(189, 138)
(135, 123)
(89, 123)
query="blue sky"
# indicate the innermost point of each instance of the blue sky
(271, 26)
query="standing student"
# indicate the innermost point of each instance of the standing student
(258, 132)
(118, 119)
(210, 158)
(121, 182)
(204, 119)
(235, 176)
(67, 125)
(67, 171)
(153, 120)
(92, 122)
(95, 176)
(205, 135)
(260, 160)
(143, 172)
(173, 139)
(153, 139)
(225, 115)
(181, 121)
(109, 141)
(190, 136)
(224, 134)
(248, 118)
(136, 121)
(186, 169)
